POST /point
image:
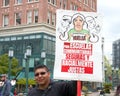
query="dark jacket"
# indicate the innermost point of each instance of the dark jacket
(61, 88)
(6, 89)
(0, 90)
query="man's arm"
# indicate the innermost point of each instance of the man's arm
(68, 88)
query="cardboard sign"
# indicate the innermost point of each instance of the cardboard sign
(78, 46)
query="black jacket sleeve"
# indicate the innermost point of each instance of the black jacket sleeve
(68, 88)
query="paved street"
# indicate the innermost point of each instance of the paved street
(97, 94)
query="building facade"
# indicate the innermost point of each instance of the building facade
(32, 23)
(116, 61)
(116, 54)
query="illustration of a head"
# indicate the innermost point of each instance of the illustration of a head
(91, 22)
(78, 21)
(66, 21)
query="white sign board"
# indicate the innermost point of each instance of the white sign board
(78, 46)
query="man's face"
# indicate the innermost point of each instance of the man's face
(3, 78)
(42, 77)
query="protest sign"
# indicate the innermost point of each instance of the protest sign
(78, 53)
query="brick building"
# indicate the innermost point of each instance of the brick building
(32, 23)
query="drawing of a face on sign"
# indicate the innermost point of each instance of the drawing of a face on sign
(63, 27)
(94, 28)
(78, 21)
(79, 27)
(78, 32)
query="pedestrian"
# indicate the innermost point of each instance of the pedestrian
(30, 87)
(117, 93)
(6, 88)
(48, 87)
(102, 93)
(1, 85)
(15, 92)
(0, 89)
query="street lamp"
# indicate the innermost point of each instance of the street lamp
(102, 47)
(27, 56)
(43, 56)
(117, 74)
(112, 77)
(105, 69)
(10, 54)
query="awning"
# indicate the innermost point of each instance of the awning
(23, 75)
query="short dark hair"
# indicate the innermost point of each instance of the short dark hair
(41, 66)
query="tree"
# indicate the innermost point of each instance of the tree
(108, 71)
(107, 87)
(22, 81)
(4, 65)
(108, 75)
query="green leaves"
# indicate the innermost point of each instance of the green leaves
(4, 65)
(23, 81)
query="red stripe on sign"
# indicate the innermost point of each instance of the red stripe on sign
(77, 69)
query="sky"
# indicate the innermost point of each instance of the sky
(110, 10)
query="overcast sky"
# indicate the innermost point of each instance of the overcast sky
(110, 10)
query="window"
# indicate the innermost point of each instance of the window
(36, 16)
(32, 36)
(26, 37)
(13, 38)
(35, 0)
(49, 1)
(61, 3)
(53, 19)
(53, 2)
(71, 6)
(36, 61)
(29, 0)
(86, 2)
(7, 39)
(93, 5)
(38, 36)
(18, 1)
(5, 20)
(5, 2)
(29, 17)
(75, 7)
(18, 18)
(19, 38)
(65, 4)
(49, 17)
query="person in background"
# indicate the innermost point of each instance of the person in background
(30, 87)
(102, 93)
(15, 92)
(0, 87)
(6, 89)
(117, 93)
(48, 87)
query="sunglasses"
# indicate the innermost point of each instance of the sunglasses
(41, 73)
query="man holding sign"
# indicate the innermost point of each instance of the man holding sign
(48, 87)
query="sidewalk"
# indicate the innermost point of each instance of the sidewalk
(98, 94)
